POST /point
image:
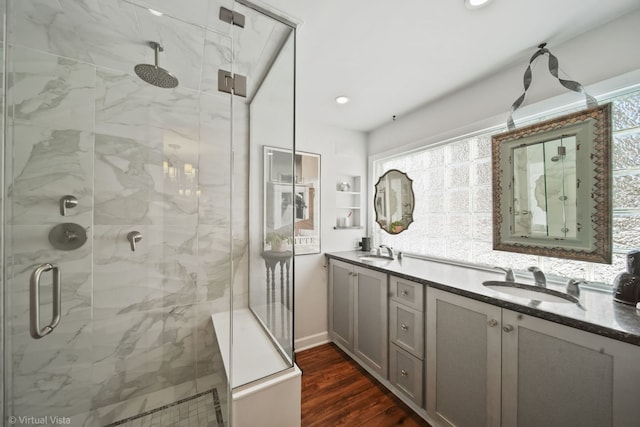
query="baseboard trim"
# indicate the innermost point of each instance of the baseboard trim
(311, 341)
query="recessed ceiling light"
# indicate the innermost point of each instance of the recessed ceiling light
(155, 12)
(342, 100)
(474, 4)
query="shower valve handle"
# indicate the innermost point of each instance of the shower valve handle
(133, 238)
(67, 202)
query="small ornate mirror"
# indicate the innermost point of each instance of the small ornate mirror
(551, 187)
(394, 201)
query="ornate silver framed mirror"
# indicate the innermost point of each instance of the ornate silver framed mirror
(552, 187)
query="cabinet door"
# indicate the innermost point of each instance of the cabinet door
(463, 361)
(554, 375)
(371, 319)
(341, 303)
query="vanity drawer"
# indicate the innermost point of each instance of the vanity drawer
(406, 328)
(407, 292)
(405, 373)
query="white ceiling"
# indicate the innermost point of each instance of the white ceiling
(392, 56)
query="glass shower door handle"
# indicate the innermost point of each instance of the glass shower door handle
(34, 301)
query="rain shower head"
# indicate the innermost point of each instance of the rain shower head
(155, 75)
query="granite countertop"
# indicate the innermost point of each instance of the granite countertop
(597, 312)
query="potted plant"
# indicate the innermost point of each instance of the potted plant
(396, 226)
(277, 241)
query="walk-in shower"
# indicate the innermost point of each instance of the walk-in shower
(138, 196)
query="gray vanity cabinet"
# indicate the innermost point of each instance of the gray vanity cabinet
(490, 366)
(463, 361)
(358, 313)
(557, 375)
(406, 336)
(341, 303)
(406, 327)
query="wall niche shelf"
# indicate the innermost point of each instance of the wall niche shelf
(348, 203)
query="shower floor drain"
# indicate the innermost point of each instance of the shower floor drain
(200, 410)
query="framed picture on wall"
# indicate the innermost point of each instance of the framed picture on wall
(291, 201)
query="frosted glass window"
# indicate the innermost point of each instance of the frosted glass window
(626, 152)
(626, 111)
(453, 215)
(626, 191)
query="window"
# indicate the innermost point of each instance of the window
(453, 201)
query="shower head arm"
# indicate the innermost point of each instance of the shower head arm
(156, 48)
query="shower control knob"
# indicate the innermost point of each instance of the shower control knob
(68, 236)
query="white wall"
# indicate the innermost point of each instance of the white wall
(341, 151)
(600, 54)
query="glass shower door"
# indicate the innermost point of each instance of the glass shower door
(49, 155)
(123, 187)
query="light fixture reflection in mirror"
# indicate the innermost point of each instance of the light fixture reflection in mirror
(552, 187)
(394, 201)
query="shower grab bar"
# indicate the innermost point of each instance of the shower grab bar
(34, 301)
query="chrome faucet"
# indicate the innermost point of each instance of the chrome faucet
(573, 287)
(538, 277)
(389, 251)
(508, 274)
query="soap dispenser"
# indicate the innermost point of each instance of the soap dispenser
(626, 286)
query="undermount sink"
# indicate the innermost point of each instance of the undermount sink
(374, 259)
(535, 293)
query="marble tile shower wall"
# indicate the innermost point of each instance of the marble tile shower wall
(135, 331)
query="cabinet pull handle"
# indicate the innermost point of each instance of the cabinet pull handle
(404, 327)
(492, 322)
(404, 293)
(404, 373)
(507, 328)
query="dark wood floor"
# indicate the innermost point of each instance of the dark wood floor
(338, 392)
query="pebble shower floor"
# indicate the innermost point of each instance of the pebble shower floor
(201, 410)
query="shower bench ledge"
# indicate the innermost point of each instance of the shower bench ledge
(265, 390)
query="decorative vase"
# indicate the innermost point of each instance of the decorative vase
(627, 285)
